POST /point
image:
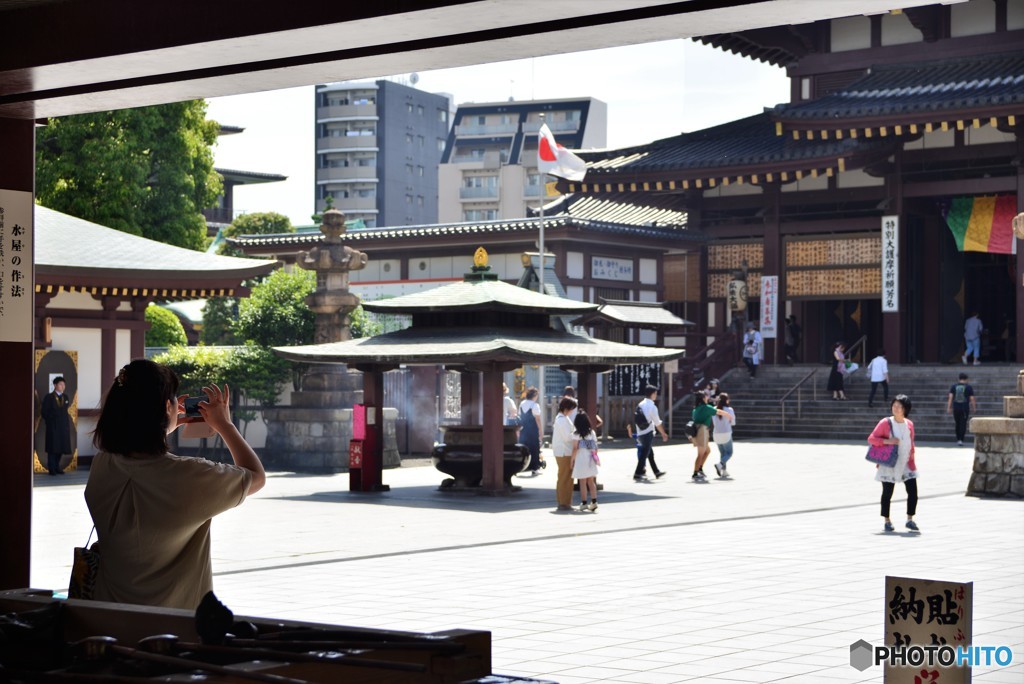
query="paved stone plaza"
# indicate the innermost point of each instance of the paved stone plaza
(767, 577)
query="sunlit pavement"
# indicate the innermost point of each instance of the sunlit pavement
(768, 576)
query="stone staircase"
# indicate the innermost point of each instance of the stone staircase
(756, 401)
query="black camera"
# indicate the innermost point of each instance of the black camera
(192, 407)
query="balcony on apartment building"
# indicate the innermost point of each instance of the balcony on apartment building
(554, 126)
(355, 203)
(486, 129)
(478, 193)
(348, 142)
(490, 159)
(368, 173)
(361, 111)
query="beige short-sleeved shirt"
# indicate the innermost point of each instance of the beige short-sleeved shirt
(152, 516)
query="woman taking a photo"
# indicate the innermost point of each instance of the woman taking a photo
(702, 414)
(152, 509)
(898, 430)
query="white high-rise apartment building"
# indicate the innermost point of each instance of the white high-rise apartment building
(489, 167)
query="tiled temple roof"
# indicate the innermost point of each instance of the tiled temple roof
(648, 315)
(477, 230)
(614, 210)
(965, 91)
(744, 151)
(485, 295)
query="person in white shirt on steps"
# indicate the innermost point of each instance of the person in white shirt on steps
(879, 368)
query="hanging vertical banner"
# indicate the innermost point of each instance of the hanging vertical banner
(17, 290)
(890, 264)
(769, 306)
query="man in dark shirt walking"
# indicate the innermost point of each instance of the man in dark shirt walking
(961, 403)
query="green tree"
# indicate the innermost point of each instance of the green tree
(275, 313)
(147, 171)
(219, 314)
(165, 328)
(258, 223)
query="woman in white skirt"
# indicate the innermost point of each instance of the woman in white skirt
(899, 430)
(585, 461)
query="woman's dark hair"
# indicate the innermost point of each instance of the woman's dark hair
(699, 398)
(569, 391)
(837, 345)
(582, 424)
(567, 404)
(531, 393)
(134, 414)
(904, 402)
(723, 400)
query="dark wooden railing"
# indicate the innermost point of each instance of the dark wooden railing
(709, 361)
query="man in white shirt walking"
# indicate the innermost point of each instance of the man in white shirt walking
(972, 338)
(879, 368)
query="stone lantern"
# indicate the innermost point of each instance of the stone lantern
(313, 433)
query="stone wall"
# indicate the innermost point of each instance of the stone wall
(999, 451)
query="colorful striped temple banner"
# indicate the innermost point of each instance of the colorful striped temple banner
(983, 224)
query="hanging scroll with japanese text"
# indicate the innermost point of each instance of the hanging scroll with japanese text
(17, 291)
(890, 263)
(831, 267)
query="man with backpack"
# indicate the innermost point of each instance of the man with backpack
(646, 421)
(961, 403)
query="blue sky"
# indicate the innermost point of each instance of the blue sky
(653, 91)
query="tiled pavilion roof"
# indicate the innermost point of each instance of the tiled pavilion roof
(648, 315)
(75, 254)
(905, 98)
(743, 151)
(486, 295)
(449, 345)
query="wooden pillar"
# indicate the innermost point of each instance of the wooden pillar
(893, 322)
(138, 335)
(493, 444)
(931, 290)
(108, 341)
(586, 391)
(17, 368)
(1018, 284)
(470, 388)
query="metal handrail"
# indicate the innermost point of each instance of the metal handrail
(858, 343)
(798, 388)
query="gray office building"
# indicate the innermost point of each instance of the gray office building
(378, 145)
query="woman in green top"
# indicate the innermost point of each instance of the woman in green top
(702, 415)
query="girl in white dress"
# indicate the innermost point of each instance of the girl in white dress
(904, 470)
(585, 461)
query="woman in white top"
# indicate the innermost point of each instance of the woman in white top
(723, 422)
(585, 460)
(509, 406)
(899, 430)
(562, 445)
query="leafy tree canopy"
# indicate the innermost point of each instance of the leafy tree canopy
(275, 313)
(146, 171)
(165, 328)
(258, 223)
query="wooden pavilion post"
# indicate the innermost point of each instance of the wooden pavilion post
(17, 368)
(1018, 284)
(373, 449)
(469, 386)
(493, 441)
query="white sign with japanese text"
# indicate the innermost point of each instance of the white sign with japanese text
(890, 263)
(607, 268)
(927, 613)
(769, 306)
(17, 291)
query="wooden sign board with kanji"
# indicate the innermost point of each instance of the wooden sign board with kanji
(927, 613)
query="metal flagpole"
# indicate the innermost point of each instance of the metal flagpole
(540, 275)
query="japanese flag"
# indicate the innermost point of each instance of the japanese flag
(554, 159)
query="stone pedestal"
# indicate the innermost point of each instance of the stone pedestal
(999, 451)
(315, 439)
